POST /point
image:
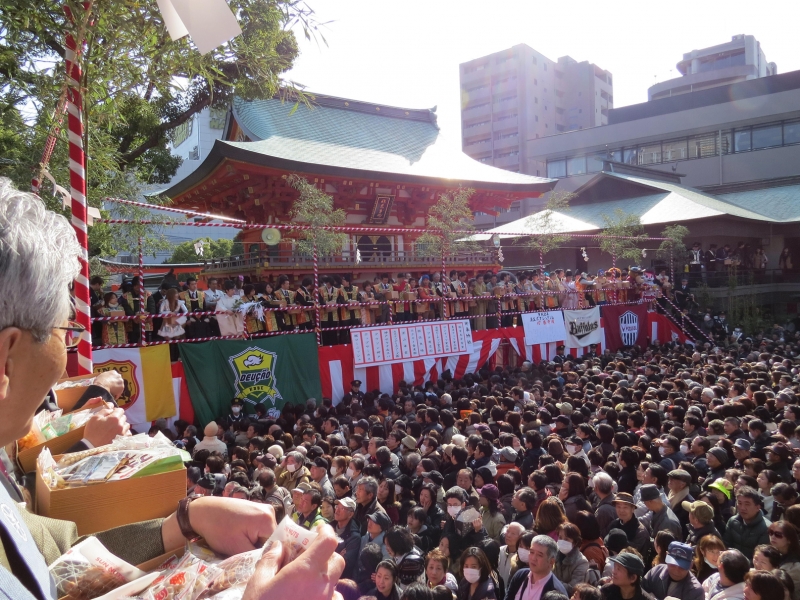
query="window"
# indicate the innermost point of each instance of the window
(557, 168)
(674, 150)
(741, 140)
(594, 163)
(791, 133)
(630, 156)
(616, 155)
(767, 137)
(703, 145)
(576, 165)
(650, 154)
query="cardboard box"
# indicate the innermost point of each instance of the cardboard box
(102, 506)
(391, 295)
(58, 445)
(409, 295)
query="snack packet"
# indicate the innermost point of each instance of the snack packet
(88, 570)
(294, 538)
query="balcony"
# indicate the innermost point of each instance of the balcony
(387, 260)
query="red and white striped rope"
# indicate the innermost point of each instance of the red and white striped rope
(171, 209)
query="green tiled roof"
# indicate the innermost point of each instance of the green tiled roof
(780, 204)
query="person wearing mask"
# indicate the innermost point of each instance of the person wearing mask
(571, 566)
(626, 579)
(538, 579)
(476, 577)
(461, 535)
(728, 582)
(674, 578)
(292, 471)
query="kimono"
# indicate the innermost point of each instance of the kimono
(305, 319)
(130, 303)
(196, 327)
(232, 324)
(367, 314)
(251, 322)
(286, 320)
(552, 298)
(480, 306)
(351, 315)
(458, 307)
(172, 327)
(113, 331)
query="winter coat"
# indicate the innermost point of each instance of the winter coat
(657, 582)
(605, 513)
(746, 536)
(521, 580)
(791, 565)
(734, 592)
(571, 569)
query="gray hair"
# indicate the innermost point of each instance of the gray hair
(547, 542)
(297, 457)
(370, 484)
(38, 260)
(603, 482)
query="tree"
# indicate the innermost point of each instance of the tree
(546, 234)
(138, 86)
(621, 235)
(451, 220)
(315, 208)
(673, 247)
(185, 253)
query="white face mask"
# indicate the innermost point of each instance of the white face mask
(291, 467)
(398, 489)
(684, 449)
(564, 546)
(333, 471)
(350, 473)
(235, 410)
(523, 554)
(472, 575)
(453, 511)
(573, 450)
(662, 451)
(423, 448)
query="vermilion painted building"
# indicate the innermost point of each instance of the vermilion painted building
(384, 166)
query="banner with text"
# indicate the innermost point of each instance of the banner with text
(543, 327)
(583, 327)
(269, 371)
(626, 325)
(413, 341)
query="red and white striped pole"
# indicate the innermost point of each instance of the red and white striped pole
(77, 189)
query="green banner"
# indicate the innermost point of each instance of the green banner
(270, 371)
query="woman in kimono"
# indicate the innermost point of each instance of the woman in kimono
(251, 320)
(113, 331)
(270, 299)
(172, 327)
(368, 313)
(233, 323)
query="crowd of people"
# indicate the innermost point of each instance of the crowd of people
(668, 472)
(489, 300)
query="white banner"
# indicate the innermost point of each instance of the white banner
(583, 327)
(543, 327)
(411, 341)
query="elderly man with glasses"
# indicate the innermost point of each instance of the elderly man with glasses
(38, 260)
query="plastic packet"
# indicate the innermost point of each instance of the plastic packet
(469, 515)
(294, 538)
(235, 571)
(88, 570)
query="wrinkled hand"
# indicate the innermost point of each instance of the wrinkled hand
(112, 381)
(231, 525)
(314, 574)
(477, 524)
(106, 424)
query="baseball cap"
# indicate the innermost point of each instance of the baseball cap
(564, 407)
(742, 444)
(382, 519)
(680, 555)
(348, 503)
(630, 562)
(722, 485)
(701, 510)
(321, 462)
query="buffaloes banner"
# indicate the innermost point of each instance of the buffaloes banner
(625, 325)
(269, 371)
(582, 327)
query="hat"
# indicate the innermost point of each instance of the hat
(630, 562)
(616, 540)
(362, 423)
(508, 454)
(742, 444)
(781, 450)
(434, 476)
(276, 451)
(236, 402)
(719, 454)
(409, 442)
(267, 460)
(207, 481)
(722, 485)
(702, 511)
(314, 452)
(355, 383)
(348, 503)
(680, 555)
(650, 492)
(680, 475)
(381, 518)
(211, 429)
(490, 492)
(321, 462)
(565, 407)
(625, 498)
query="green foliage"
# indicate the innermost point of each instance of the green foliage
(744, 310)
(184, 253)
(450, 214)
(315, 208)
(674, 245)
(138, 86)
(545, 231)
(622, 225)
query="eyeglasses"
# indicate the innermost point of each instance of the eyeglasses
(776, 534)
(72, 335)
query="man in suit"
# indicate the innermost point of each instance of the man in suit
(33, 356)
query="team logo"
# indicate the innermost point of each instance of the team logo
(254, 376)
(629, 328)
(127, 369)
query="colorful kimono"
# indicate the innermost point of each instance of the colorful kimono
(270, 316)
(251, 322)
(113, 331)
(459, 306)
(286, 296)
(367, 314)
(305, 318)
(351, 314)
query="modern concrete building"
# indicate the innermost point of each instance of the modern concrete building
(741, 59)
(519, 94)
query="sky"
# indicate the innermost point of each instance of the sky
(406, 53)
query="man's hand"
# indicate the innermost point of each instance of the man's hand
(112, 381)
(314, 574)
(106, 424)
(231, 525)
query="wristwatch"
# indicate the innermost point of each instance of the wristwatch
(183, 517)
